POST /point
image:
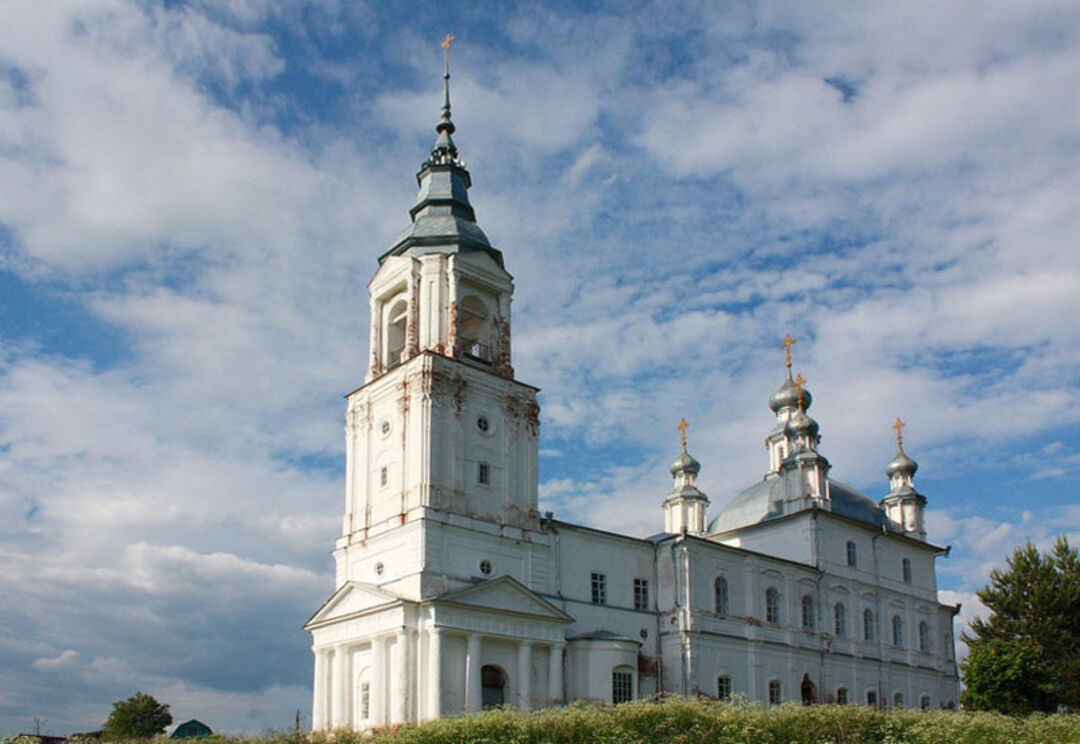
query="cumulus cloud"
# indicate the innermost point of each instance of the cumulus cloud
(673, 190)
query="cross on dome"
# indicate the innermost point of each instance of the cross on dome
(786, 344)
(898, 427)
(682, 427)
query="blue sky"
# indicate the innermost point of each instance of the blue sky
(193, 196)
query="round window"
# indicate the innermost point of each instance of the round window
(483, 424)
(485, 567)
(379, 568)
(644, 633)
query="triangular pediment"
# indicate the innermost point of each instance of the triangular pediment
(351, 598)
(505, 594)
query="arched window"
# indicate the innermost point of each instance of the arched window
(720, 590)
(492, 686)
(905, 567)
(840, 613)
(924, 702)
(897, 631)
(622, 684)
(868, 625)
(776, 692)
(396, 319)
(841, 696)
(871, 698)
(808, 612)
(772, 606)
(475, 324)
(924, 636)
(898, 700)
(852, 554)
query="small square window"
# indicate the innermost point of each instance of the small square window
(641, 594)
(483, 474)
(599, 589)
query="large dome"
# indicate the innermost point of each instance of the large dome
(765, 500)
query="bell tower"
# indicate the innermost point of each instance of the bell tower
(440, 431)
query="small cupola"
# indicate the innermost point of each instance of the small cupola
(685, 506)
(903, 505)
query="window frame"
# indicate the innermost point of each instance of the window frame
(641, 594)
(721, 596)
(483, 473)
(905, 570)
(808, 611)
(772, 605)
(776, 692)
(622, 685)
(852, 554)
(723, 687)
(897, 631)
(869, 625)
(840, 620)
(598, 586)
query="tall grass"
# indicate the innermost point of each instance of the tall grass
(681, 721)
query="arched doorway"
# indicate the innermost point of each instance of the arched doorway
(808, 690)
(492, 686)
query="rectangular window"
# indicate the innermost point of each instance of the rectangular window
(776, 692)
(365, 701)
(384, 476)
(852, 554)
(622, 686)
(841, 696)
(641, 594)
(483, 474)
(723, 687)
(906, 570)
(599, 589)
(871, 698)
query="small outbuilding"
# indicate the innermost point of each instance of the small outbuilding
(192, 729)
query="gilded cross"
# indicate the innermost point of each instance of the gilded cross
(447, 41)
(682, 427)
(787, 343)
(898, 427)
(799, 382)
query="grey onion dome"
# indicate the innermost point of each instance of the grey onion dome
(800, 424)
(901, 464)
(788, 397)
(685, 463)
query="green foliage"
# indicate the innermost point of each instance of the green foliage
(1025, 656)
(138, 717)
(675, 720)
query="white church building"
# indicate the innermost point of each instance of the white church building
(453, 592)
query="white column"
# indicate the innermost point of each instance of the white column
(473, 693)
(524, 675)
(434, 673)
(401, 681)
(555, 674)
(337, 687)
(378, 681)
(318, 708)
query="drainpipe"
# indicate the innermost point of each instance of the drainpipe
(877, 614)
(656, 615)
(819, 606)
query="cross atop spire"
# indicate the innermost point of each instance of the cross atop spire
(898, 427)
(682, 427)
(786, 344)
(445, 152)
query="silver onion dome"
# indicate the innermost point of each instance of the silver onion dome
(685, 463)
(902, 465)
(788, 397)
(800, 424)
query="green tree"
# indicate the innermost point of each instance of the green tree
(1025, 656)
(138, 717)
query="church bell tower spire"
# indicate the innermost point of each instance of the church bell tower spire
(440, 426)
